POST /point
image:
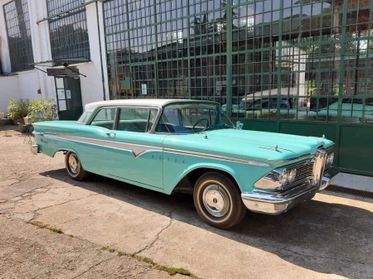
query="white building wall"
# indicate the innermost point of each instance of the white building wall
(4, 49)
(9, 89)
(8, 85)
(92, 84)
(41, 46)
(20, 85)
(27, 83)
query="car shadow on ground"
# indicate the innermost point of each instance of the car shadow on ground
(324, 237)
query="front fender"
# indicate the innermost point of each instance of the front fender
(244, 175)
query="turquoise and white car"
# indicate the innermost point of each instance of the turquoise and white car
(190, 146)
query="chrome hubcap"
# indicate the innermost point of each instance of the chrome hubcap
(73, 164)
(215, 200)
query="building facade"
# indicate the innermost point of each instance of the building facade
(294, 66)
(39, 36)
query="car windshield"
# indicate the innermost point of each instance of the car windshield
(187, 118)
(84, 117)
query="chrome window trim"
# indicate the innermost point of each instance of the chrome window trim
(186, 102)
(94, 114)
(98, 109)
(138, 107)
(158, 117)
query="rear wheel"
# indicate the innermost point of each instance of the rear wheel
(218, 201)
(74, 167)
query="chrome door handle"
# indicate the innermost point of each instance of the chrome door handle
(110, 134)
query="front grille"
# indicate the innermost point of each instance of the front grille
(304, 173)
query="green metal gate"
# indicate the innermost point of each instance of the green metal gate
(301, 67)
(330, 87)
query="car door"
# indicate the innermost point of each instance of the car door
(94, 146)
(139, 157)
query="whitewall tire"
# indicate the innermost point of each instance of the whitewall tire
(218, 200)
(74, 167)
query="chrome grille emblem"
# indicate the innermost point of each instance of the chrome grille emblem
(319, 165)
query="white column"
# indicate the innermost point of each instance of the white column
(103, 48)
(91, 86)
(4, 48)
(42, 46)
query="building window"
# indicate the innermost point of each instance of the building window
(292, 60)
(19, 36)
(173, 48)
(296, 60)
(68, 30)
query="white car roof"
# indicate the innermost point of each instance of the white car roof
(284, 92)
(137, 102)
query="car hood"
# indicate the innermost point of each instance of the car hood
(252, 145)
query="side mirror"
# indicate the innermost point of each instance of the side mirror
(239, 125)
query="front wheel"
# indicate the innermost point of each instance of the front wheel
(74, 167)
(218, 201)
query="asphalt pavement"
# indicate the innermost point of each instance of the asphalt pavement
(53, 226)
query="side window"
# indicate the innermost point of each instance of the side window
(136, 119)
(169, 122)
(104, 118)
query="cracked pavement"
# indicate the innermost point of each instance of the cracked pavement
(328, 237)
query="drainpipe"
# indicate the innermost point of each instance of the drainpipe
(229, 76)
(100, 49)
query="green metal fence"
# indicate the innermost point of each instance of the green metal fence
(295, 66)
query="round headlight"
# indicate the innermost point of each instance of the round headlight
(288, 176)
(283, 177)
(330, 159)
(277, 179)
(292, 175)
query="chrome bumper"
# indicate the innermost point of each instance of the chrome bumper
(325, 182)
(35, 149)
(274, 203)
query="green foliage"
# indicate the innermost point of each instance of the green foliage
(38, 110)
(310, 87)
(170, 270)
(42, 110)
(17, 109)
(45, 226)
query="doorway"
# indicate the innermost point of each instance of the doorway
(69, 98)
